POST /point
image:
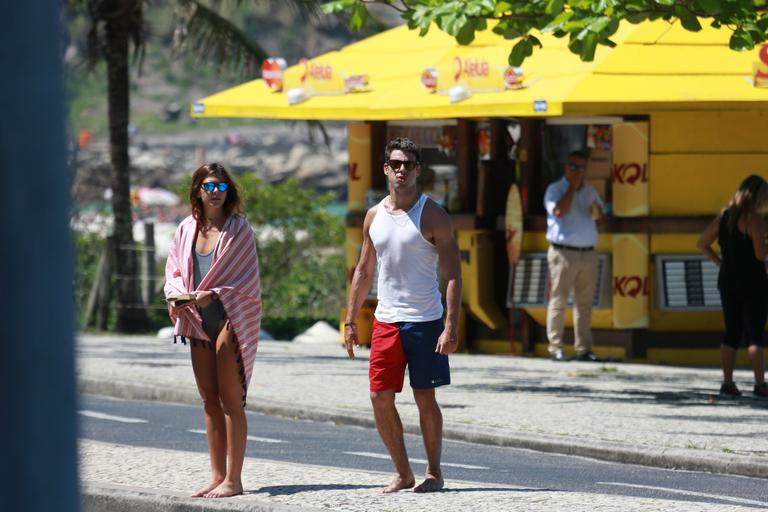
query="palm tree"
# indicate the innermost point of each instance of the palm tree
(116, 27)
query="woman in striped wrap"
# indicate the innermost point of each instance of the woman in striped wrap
(213, 256)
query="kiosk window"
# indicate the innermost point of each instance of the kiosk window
(558, 140)
(686, 283)
(439, 171)
(531, 282)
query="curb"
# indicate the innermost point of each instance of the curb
(112, 498)
(666, 458)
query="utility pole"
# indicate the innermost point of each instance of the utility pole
(38, 467)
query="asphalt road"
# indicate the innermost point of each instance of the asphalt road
(181, 427)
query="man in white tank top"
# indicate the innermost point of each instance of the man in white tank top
(406, 236)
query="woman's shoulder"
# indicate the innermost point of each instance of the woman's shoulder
(238, 222)
(186, 224)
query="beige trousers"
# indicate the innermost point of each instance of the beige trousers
(568, 270)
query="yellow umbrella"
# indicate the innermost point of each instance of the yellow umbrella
(655, 66)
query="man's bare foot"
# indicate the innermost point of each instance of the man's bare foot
(225, 489)
(430, 484)
(399, 483)
(208, 488)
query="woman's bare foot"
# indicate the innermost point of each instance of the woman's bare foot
(399, 483)
(208, 488)
(430, 484)
(225, 489)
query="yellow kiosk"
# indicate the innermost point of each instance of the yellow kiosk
(674, 121)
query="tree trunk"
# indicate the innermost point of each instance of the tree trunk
(131, 315)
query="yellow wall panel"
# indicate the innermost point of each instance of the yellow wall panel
(536, 241)
(709, 132)
(696, 184)
(675, 243)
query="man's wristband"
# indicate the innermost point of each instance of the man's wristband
(349, 324)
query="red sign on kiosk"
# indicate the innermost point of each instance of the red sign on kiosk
(760, 68)
(460, 76)
(272, 73)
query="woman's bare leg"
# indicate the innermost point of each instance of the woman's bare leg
(757, 360)
(727, 362)
(231, 393)
(204, 367)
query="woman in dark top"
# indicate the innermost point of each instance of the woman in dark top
(740, 232)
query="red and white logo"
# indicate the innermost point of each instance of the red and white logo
(513, 78)
(272, 73)
(470, 68)
(761, 68)
(356, 83)
(630, 173)
(631, 286)
(316, 71)
(429, 79)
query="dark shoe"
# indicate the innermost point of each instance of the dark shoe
(587, 356)
(729, 389)
(558, 355)
(761, 390)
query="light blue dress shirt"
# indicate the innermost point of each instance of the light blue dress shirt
(576, 228)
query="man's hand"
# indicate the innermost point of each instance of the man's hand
(448, 342)
(350, 338)
(575, 179)
(203, 298)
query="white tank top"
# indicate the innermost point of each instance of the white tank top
(407, 267)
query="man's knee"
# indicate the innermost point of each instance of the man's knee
(425, 399)
(382, 399)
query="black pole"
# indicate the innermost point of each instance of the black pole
(38, 466)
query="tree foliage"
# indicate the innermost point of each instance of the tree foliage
(116, 29)
(586, 23)
(301, 253)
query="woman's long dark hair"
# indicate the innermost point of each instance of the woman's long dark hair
(750, 198)
(233, 202)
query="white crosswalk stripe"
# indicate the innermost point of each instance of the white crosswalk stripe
(732, 499)
(110, 417)
(417, 461)
(250, 438)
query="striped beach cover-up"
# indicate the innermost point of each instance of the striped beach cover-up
(234, 277)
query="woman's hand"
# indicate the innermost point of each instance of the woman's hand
(184, 305)
(203, 298)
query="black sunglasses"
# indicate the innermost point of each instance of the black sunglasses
(576, 167)
(210, 186)
(395, 164)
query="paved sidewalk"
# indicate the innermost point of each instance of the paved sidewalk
(147, 479)
(653, 415)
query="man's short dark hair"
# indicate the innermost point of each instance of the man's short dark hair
(579, 153)
(405, 145)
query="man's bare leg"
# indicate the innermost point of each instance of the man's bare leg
(391, 431)
(431, 420)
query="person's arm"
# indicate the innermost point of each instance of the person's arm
(438, 224)
(707, 238)
(757, 232)
(174, 283)
(563, 206)
(361, 284)
(598, 208)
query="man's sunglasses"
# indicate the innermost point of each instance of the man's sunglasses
(395, 164)
(577, 167)
(210, 186)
